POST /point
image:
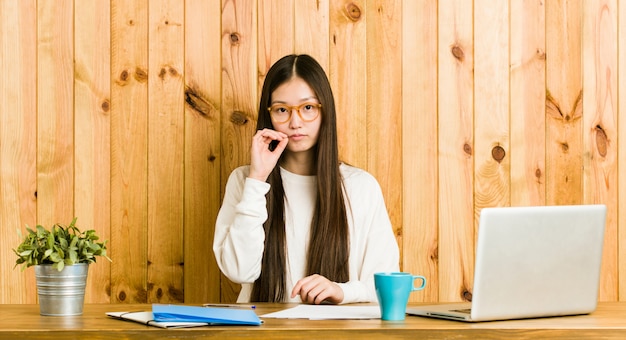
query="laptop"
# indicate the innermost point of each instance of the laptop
(532, 262)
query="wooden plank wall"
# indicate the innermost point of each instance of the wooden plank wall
(131, 114)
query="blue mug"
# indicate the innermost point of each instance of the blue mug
(393, 290)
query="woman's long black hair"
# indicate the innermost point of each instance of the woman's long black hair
(328, 246)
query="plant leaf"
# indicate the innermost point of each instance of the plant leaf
(73, 256)
(59, 246)
(47, 253)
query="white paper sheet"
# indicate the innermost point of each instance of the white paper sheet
(326, 312)
(147, 318)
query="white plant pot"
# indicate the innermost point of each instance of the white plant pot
(61, 293)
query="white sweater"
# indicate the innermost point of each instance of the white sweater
(239, 235)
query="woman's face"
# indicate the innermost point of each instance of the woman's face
(302, 135)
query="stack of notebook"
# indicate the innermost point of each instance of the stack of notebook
(178, 316)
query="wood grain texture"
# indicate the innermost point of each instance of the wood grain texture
(348, 78)
(276, 25)
(18, 129)
(428, 94)
(55, 119)
(239, 95)
(129, 148)
(492, 161)
(166, 132)
(599, 126)
(384, 104)
(564, 102)
(202, 141)
(92, 131)
(419, 145)
(527, 114)
(24, 322)
(621, 158)
(455, 151)
(311, 30)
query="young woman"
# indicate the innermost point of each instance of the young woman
(296, 224)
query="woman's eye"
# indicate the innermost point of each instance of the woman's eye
(308, 107)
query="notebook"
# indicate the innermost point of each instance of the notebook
(180, 316)
(211, 315)
(532, 262)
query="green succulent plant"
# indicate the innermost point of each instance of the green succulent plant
(59, 246)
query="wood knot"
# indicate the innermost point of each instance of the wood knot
(197, 103)
(467, 295)
(121, 296)
(211, 158)
(498, 153)
(106, 105)
(353, 11)
(124, 76)
(167, 69)
(238, 117)
(458, 53)
(141, 75)
(541, 54)
(467, 149)
(176, 294)
(564, 147)
(434, 253)
(601, 141)
(159, 293)
(399, 233)
(538, 173)
(234, 38)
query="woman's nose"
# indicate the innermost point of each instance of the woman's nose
(295, 121)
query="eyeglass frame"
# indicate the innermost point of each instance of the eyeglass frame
(297, 108)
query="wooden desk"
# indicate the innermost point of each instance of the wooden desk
(24, 322)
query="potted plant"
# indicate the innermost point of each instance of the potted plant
(61, 256)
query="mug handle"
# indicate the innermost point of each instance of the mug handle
(423, 282)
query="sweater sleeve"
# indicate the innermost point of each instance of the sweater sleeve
(373, 244)
(239, 235)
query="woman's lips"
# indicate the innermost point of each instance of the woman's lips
(297, 137)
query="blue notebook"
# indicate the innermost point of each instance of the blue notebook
(210, 315)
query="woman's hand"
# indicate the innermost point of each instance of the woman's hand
(316, 289)
(263, 160)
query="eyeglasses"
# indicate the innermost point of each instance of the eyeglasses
(308, 112)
